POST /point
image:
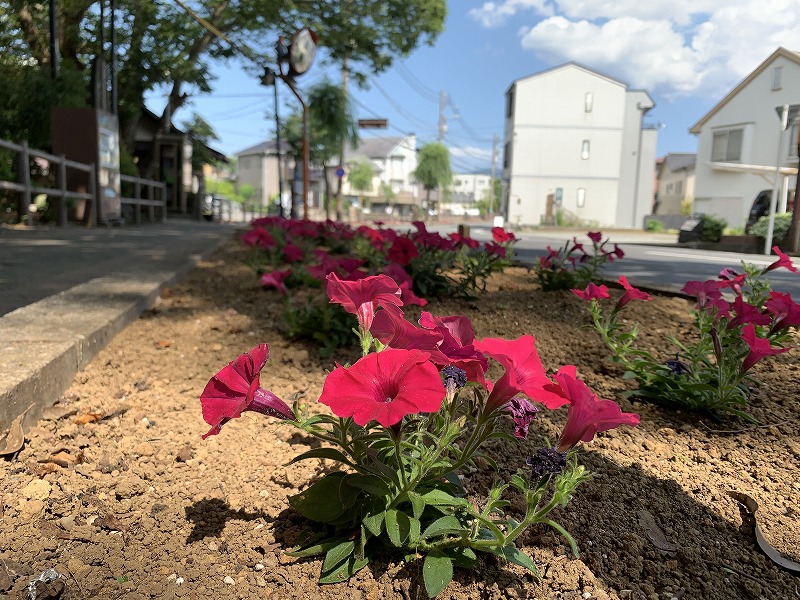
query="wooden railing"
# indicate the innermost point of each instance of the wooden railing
(144, 196)
(26, 188)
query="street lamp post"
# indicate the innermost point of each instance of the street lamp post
(787, 114)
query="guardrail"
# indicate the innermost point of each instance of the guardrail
(26, 188)
(144, 196)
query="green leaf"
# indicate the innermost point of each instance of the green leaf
(463, 557)
(320, 501)
(374, 523)
(518, 557)
(453, 478)
(413, 531)
(437, 572)
(369, 483)
(417, 504)
(314, 550)
(397, 527)
(337, 554)
(344, 571)
(437, 497)
(329, 453)
(570, 540)
(442, 526)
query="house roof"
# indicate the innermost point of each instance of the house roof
(788, 54)
(153, 120)
(677, 161)
(564, 66)
(374, 147)
(267, 147)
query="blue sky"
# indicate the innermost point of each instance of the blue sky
(687, 54)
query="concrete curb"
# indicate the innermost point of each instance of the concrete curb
(45, 344)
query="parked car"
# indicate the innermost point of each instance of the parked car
(759, 209)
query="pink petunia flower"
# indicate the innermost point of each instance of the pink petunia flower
(384, 387)
(587, 414)
(523, 412)
(704, 290)
(524, 373)
(746, 313)
(786, 311)
(595, 236)
(292, 253)
(235, 389)
(631, 293)
(495, 249)
(457, 345)
(362, 297)
(392, 329)
(275, 279)
(402, 251)
(258, 237)
(501, 236)
(784, 261)
(592, 292)
(759, 347)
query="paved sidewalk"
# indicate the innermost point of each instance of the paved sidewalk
(65, 292)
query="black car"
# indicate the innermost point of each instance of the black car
(759, 209)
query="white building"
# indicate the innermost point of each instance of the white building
(575, 141)
(258, 166)
(466, 190)
(394, 160)
(738, 146)
(675, 180)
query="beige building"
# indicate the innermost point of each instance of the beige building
(675, 183)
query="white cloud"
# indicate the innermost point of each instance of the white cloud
(493, 14)
(471, 153)
(675, 47)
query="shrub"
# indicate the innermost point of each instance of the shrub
(572, 266)
(783, 221)
(712, 228)
(654, 225)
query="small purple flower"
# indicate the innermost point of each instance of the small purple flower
(454, 376)
(677, 366)
(523, 412)
(546, 461)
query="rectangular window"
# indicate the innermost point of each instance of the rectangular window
(793, 141)
(679, 188)
(581, 197)
(727, 146)
(669, 188)
(585, 150)
(588, 101)
(510, 104)
(777, 78)
(507, 155)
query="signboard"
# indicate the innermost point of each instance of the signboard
(108, 180)
(373, 123)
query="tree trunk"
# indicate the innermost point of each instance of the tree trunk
(327, 201)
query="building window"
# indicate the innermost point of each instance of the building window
(510, 103)
(793, 140)
(727, 146)
(588, 100)
(777, 78)
(669, 188)
(507, 155)
(585, 150)
(581, 197)
(678, 188)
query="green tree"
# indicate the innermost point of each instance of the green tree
(360, 176)
(202, 135)
(433, 169)
(331, 125)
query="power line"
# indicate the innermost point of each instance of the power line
(419, 87)
(399, 108)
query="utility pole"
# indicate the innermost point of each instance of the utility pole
(341, 151)
(442, 122)
(53, 40)
(495, 139)
(794, 230)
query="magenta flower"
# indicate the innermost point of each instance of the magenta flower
(495, 249)
(592, 292)
(235, 389)
(384, 387)
(501, 236)
(393, 330)
(587, 414)
(258, 237)
(362, 297)
(457, 345)
(275, 279)
(704, 290)
(524, 373)
(402, 251)
(618, 252)
(759, 347)
(784, 261)
(595, 236)
(785, 310)
(746, 313)
(631, 293)
(292, 253)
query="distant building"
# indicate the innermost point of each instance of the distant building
(466, 190)
(394, 159)
(258, 166)
(575, 142)
(675, 175)
(738, 140)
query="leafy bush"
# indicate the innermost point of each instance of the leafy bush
(783, 221)
(712, 228)
(654, 225)
(572, 266)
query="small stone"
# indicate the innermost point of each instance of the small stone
(144, 449)
(213, 546)
(38, 489)
(179, 580)
(67, 522)
(259, 567)
(229, 580)
(216, 347)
